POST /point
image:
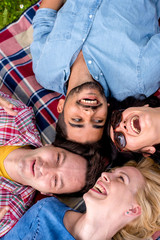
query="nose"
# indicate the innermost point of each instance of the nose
(105, 177)
(45, 170)
(122, 126)
(89, 110)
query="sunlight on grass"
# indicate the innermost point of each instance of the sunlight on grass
(10, 10)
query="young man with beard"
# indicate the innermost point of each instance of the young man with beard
(107, 42)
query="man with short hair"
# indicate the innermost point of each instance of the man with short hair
(49, 169)
(111, 43)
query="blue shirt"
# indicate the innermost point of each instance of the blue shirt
(120, 41)
(44, 220)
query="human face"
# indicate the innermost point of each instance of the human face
(115, 192)
(137, 128)
(85, 113)
(52, 170)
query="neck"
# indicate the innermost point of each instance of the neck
(79, 73)
(83, 228)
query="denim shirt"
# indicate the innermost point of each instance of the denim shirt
(120, 41)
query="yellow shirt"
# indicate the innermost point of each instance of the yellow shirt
(4, 151)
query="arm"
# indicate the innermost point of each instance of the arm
(53, 4)
(43, 23)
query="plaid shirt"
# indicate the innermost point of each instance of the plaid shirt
(19, 198)
(16, 130)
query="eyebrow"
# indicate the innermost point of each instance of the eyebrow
(76, 125)
(82, 126)
(98, 126)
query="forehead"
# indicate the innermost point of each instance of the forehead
(84, 135)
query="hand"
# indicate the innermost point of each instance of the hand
(3, 211)
(7, 106)
(53, 4)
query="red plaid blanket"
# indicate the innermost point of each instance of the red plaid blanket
(18, 80)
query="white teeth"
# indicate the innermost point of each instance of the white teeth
(89, 101)
(99, 188)
(132, 125)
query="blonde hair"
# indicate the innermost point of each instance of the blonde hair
(144, 226)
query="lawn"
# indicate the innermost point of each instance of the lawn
(10, 10)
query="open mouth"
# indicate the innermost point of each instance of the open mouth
(135, 124)
(90, 101)
(99, 189)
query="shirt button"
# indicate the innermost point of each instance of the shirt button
(101, 74)
(89, 61)
(90, 16)
(96, 77)
(83, 39)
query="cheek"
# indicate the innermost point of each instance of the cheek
(72, 109)
(133, 144)
(42, 185)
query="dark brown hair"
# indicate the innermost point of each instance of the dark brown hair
(96, 163)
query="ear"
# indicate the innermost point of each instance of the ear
(47, 194)
(60, 105)
(147, 151)
(134, 211)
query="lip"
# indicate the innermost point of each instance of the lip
(99, 188)
(89, 100)
(135, 129)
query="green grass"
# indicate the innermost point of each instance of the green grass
(10, 10)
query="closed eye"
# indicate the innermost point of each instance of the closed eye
(121, 179)
(58, 159)
(56, 180)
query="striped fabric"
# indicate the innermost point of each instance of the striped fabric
(18, 130)
(19, 198)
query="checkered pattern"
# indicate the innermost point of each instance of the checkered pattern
(18, 130)
(19, 198)
(17, 77)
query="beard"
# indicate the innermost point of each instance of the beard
(87, 85)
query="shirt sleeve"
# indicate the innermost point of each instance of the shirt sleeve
(43, 23)
(26, 124)
(19, 198)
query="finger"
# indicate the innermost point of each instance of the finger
(5, 103)
(10, 111)
(3, 211)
